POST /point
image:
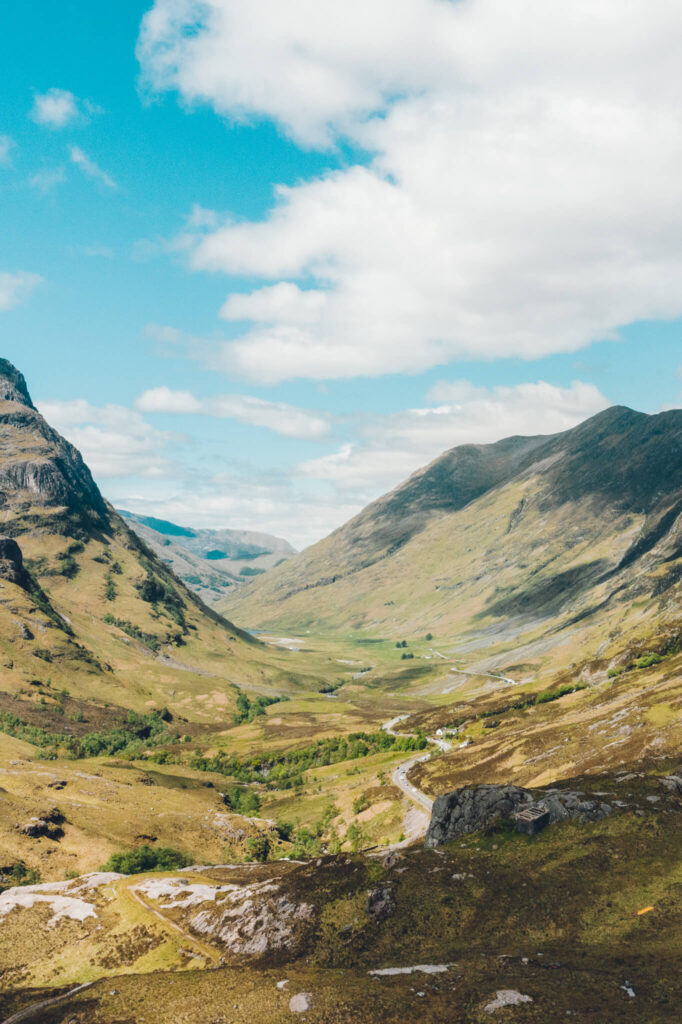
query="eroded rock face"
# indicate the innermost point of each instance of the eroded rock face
(12, 562)
(13, 385)
(474, 807)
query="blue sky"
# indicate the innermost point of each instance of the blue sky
(260, 264)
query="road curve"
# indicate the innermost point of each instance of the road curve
(400, 774)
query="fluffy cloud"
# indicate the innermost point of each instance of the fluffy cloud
(284, 419)
(391, 447)
(522, 196)
(114, 441)
(56, 108)
(89, 167)
(14, 288)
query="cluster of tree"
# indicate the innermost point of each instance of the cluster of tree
(282, 770)
(150, 640)
(156, 592)
(147, 858)
(131, 737)
(247, 709)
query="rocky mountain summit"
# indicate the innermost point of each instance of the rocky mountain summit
(44, 484)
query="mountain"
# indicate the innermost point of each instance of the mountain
(499, 545)
(210, 562)
(84, 602)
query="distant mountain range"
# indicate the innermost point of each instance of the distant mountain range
(210, 562)
(529, 545)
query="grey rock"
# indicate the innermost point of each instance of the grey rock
(12, 565)
(380, 902)
(473, 808)
(301, 1002)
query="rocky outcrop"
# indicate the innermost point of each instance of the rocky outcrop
(475, 807)
(13, 385)
(38, 467)
(12, 563)
(380, 903)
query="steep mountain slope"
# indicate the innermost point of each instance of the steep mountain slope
(84, 603)
(210, 561)
(502, 544)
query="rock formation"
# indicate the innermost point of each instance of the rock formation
(475, 807)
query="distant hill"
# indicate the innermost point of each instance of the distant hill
(210, 562)
(578, 533)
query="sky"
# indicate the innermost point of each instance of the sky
(261, 261)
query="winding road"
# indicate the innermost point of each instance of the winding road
(400, 774)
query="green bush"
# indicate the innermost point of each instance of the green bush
(648, 659)
(258, 848)
(284, 830)
(147, 858)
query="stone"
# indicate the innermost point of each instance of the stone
(380, 903)
(301, 1002)
(506, 997)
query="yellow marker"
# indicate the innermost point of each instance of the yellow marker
(644, 911)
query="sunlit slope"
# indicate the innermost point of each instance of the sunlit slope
(501, 541)
(84, 604)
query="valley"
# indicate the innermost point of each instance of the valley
(205, 801)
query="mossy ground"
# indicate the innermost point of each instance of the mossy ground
(553, 916)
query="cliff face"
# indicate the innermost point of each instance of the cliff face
(44, 483)
(83, 601)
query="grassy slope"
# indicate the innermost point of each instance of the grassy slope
(553, 916)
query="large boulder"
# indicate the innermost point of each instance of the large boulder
(471, 809)
(474, 807)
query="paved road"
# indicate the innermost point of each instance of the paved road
(401, 772)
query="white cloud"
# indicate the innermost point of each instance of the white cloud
(522, 199)
(287, 420)
(393, 446)
(114, 441)
(47, 179)
(6, 146)
(89, 167)
(14, 288)
(56, 108)
(338, 485)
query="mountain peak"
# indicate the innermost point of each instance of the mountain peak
(13, 386)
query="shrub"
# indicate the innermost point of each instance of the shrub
(284, 830)
(361, 803)
(147, 858)
(646, 660)
(258, 848)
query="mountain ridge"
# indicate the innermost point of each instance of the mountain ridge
(574, 520)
